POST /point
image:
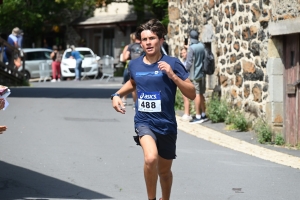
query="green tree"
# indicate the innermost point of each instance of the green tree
(40, 15)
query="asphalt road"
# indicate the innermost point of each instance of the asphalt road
(64, 141)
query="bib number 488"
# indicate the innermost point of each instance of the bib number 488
(148, 104)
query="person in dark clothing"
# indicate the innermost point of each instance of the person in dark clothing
(133, 51)
(56, 60)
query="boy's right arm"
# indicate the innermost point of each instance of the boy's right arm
(127, 88)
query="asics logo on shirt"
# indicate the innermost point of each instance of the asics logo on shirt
(148, 96)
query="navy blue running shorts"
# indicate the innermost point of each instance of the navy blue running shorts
(166, 144)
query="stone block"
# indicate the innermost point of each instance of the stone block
(283, 27)
(174, 13)
(275, 66)
(276, 88)
(274, 113)
(207, 33)
(275, 47)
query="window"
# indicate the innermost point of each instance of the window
(86, 53)
(30, 56)
(108, 42)
(47, 55)
(39, 55)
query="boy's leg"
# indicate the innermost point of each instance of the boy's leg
(165, 176)
(150, 164)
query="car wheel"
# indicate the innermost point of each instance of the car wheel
(62, 78)
(27, 75)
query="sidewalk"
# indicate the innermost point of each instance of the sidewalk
(245, 142)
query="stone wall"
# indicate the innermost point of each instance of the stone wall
(240, 42)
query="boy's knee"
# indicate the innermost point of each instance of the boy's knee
(151, 160)
(165, 175)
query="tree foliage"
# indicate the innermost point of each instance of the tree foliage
(38, 16)
(159, 8)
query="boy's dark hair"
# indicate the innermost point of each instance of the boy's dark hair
(153, 25)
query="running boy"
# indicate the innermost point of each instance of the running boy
(155, 77)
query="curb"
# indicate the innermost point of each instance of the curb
(238, 145)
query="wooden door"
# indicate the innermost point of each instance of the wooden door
(292, 89)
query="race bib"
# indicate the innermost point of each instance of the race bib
(149, 101)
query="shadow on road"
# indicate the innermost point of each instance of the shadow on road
(62, 92)
(20, 183)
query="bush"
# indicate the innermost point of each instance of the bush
(217, 110)
(179, 101)
(230, 117)
(263, 131)
(240, 122)
(179, 105)
(236, 120)
(279, 140)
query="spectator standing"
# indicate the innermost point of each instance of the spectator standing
(13, 41)
(126, 73)
(12, 38)
(194, 63)
(132, 52)
(76, 55)
(155, 77)
(56, 60)
(186, 102)
(60, 49)
(20, 38)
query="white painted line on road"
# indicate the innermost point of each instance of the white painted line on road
(238, 145)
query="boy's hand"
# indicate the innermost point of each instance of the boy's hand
(163, 66)
(118, 104)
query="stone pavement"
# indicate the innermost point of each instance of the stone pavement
(240, 141)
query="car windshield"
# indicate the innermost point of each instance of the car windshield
(83, 53)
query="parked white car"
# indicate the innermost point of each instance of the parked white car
(89, 65)
(34, 58)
